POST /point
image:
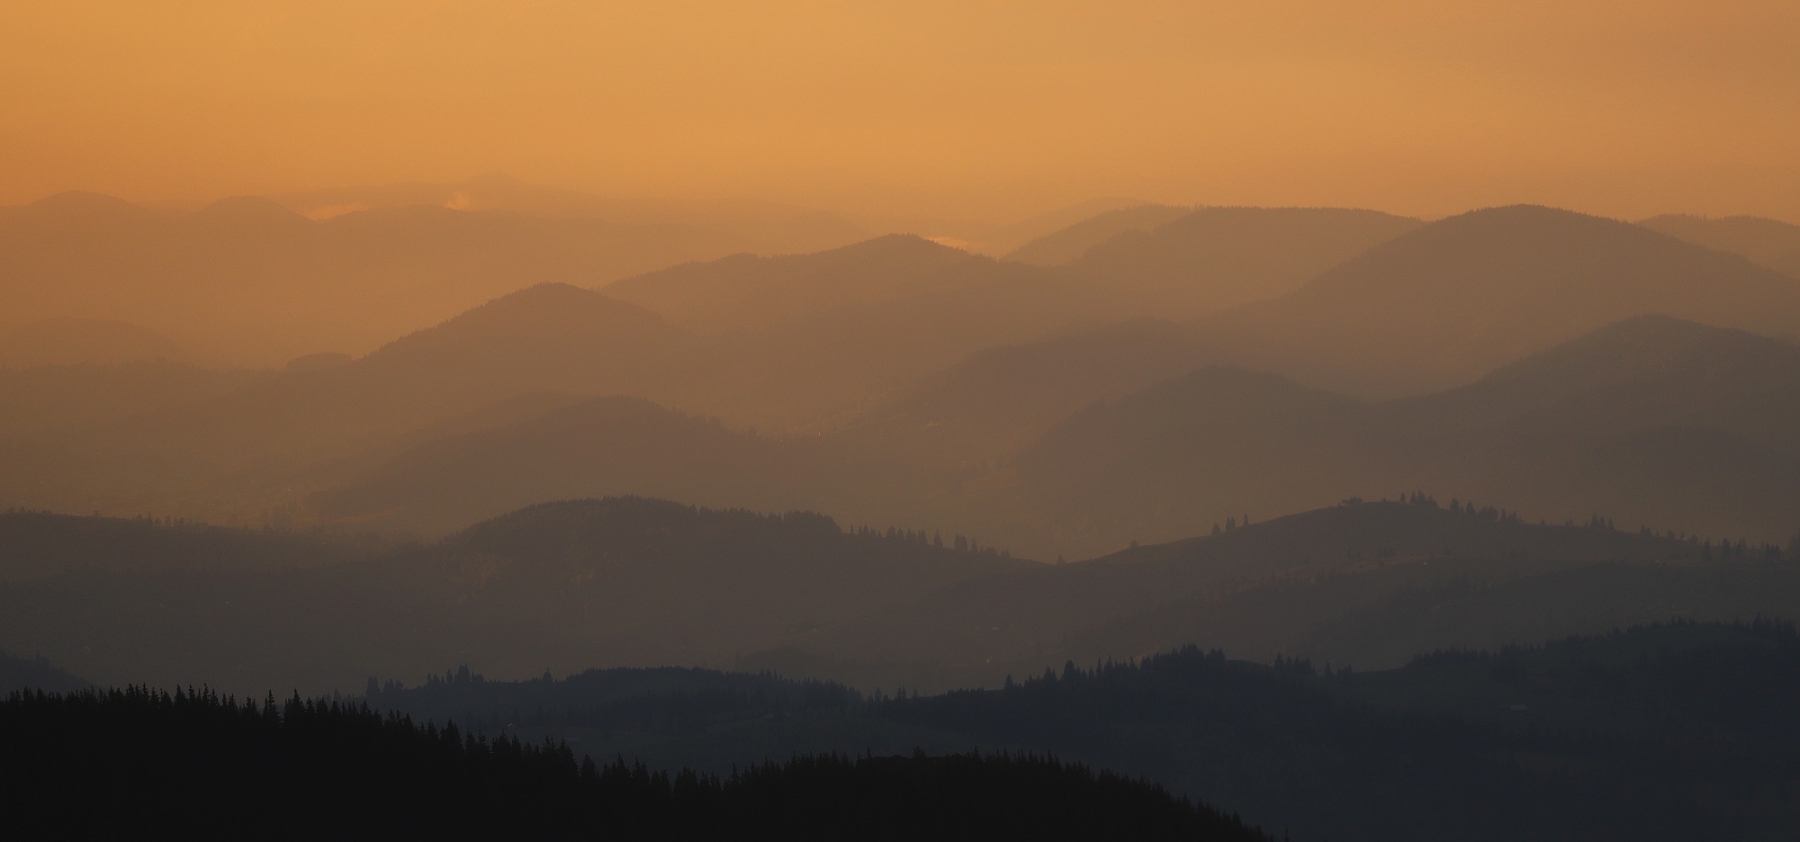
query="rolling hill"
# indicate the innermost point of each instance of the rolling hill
(1450, 301)
(570, 585)
(1211, 259)
(267, 442)
(1769, 242)
(599, 447)
(1069, 244)
(989, 405)
(251, 283)
(747, 292)
(1653, 420)
(63, 342)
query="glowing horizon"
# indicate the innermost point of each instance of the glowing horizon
(987, 111)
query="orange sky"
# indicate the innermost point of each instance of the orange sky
(984, 110)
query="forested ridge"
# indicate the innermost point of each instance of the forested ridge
(193, 764)
(1668, 731)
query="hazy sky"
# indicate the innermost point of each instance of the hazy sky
(984, 109)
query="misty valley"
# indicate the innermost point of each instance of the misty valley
(1142, 522)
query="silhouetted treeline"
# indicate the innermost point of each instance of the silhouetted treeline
(1662, 733)
(191, 764)
(1675, 731)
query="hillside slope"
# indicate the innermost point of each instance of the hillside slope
(1769, 242)
(1069, 244)
(1653, 420)
(1214, 258)
(1455, 299)
(249, 282)
(568, 586)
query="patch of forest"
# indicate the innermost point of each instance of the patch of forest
(1669, 731)
(192, 764)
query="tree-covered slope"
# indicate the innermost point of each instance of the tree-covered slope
(195, 765)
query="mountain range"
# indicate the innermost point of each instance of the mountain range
(1044, 408)
(249, 281)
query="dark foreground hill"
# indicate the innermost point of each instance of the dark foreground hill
(1672, 731)
(194, 765)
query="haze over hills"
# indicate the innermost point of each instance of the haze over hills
(934, 396)
(1769, 242)
(1001, 242)
(1068, 244)
(1214, 258)
(746, 292)
(249, 281)
(1047, 449)
(962, 382)
(988, 406)
(1654, 420)
(1046, 381)
(1457, 298)
(594, 448)
(745, 225)
(66, 342)
(231, 452)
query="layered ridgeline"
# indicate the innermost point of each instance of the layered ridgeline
(251, 281)
(783, 343)
(1443, 303)
(1450, 301)
(1363, 583)
(1215, 258)
(629, 581)
(101, 342)
(1072, 448)
(195, 764)
(251, 446)
(922, 371)
(1680, 731)
(1068, 243)
(1769, 242)
(623, 581)
(1655, 421)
